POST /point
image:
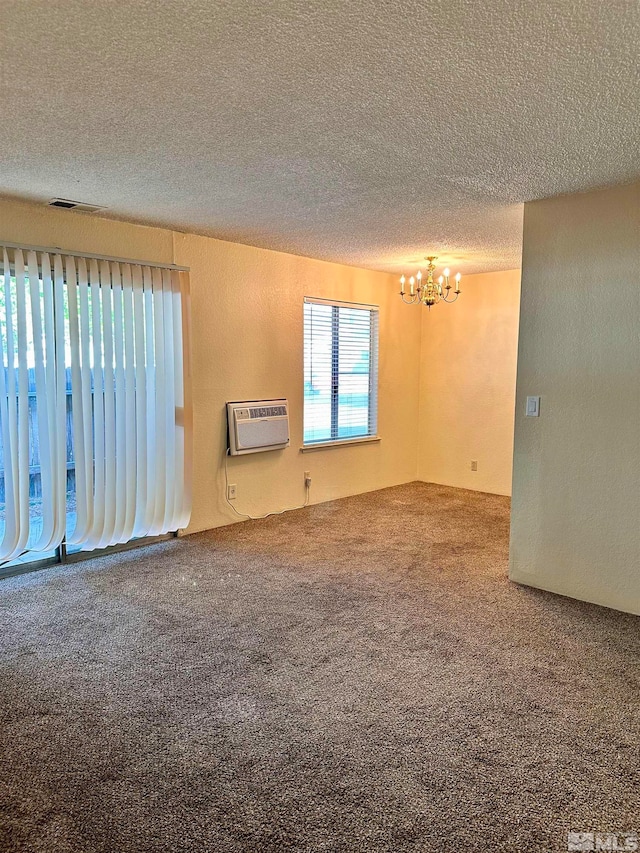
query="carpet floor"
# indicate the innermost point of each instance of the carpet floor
(356, 676)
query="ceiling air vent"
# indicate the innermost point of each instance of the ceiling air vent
(67, 204)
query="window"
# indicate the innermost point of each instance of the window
(94, 407)
(340, 371)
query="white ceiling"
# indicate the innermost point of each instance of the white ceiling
(370, 132)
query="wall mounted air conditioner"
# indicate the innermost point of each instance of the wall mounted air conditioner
(257, 425)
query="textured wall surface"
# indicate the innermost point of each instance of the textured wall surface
(576, 484)
(468, 385)
(364, 132)
(247, 333)
(247, 344)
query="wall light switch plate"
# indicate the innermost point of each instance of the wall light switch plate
(533, 407)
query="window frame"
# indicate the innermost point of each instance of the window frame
(372, 395)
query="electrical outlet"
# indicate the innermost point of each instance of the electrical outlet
(231, 491)
(307, 478)
(474, 465)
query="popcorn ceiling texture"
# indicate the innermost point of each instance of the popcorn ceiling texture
(370, 133)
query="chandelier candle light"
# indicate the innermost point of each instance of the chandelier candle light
(429, 292)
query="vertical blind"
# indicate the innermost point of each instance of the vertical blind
(94, 401)
(340, 370)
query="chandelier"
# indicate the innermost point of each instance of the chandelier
(429, 292)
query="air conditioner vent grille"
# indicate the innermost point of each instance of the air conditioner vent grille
(258, 425)
(268, 411)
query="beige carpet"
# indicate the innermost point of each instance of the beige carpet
(357, 676)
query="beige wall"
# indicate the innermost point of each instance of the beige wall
(247, 344)
(247, 333)
(576, 485)
(576, 501)
(467, 385)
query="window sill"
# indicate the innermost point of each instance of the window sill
(343, 442)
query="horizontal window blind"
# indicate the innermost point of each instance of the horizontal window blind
(340, 370)
(95, 413)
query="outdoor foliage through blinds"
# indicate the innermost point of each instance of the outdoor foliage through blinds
(95, 420)
(340, 370)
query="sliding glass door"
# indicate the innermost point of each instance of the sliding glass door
(95, 417)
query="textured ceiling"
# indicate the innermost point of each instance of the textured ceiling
(370, 132)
